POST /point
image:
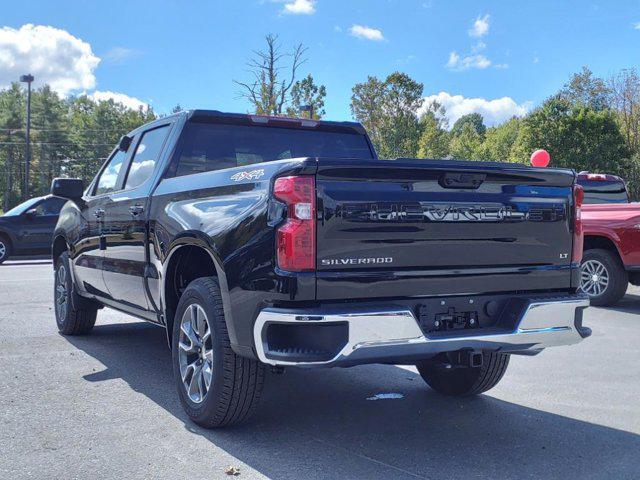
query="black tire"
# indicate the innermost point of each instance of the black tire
(617, 275)
(235, 383)
(463, 381)
(79, 315)
(5, 248)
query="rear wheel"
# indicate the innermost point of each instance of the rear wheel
(216, 387)
(459, 380)
(5, 249)
(603, 277)
(74, 314)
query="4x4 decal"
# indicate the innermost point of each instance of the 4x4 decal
(251, 175)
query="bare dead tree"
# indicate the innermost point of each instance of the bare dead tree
(625, 99)
(268, 91)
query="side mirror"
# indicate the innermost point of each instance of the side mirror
(32, 212)
(125, 143)
(69, 188)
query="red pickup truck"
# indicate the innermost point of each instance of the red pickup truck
(611, 226)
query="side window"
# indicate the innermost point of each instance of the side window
(146, 155)
(50, 206)
(109, 176)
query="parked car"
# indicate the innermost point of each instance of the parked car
(611, 238)
(27, 229)
(258, 241)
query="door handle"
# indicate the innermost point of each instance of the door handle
(98, 213)
(136, 210)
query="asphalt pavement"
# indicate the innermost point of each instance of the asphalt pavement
(104, 406)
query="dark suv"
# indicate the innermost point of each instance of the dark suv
(27, 228)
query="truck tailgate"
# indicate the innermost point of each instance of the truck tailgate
(426, 227)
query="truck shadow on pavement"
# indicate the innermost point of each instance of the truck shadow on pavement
(630, 303)
(319, 424)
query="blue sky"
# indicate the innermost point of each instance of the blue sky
(188, 52)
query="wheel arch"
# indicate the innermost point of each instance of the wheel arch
(58, 247)
(7, 236)
(190, 257)
(600, 240)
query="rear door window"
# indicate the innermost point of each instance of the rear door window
(50, 206)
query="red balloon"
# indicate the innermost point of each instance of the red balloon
(540, 158)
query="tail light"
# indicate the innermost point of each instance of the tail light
(296, 239)
(578, 234)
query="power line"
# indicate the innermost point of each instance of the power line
(14, 130)
(61, 144)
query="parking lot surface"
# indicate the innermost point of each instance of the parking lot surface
(104, 406)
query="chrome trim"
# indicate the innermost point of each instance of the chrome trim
(542, 323)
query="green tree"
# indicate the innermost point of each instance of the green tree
(305, 93)
(12, 138)
(466, 144)
(577, 137)
(499, 140)
(434, 138)
(269, 89)
(624, 98)
(387, 109)
(51, 137)
(586, 90)
(473, 119)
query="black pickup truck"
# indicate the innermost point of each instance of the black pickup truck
(259, 241)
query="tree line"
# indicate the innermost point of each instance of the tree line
(69, 137)
(591, 124)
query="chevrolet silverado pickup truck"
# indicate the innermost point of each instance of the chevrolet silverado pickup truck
(270, 242)
(611, 227)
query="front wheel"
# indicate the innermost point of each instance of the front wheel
(457, 380)
(216, 387)
(5, 249)
(74, 315)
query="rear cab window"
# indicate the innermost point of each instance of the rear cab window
(205, 147)
(604, 191)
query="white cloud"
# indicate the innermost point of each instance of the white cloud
(636, 25)
(52, 55)
(129, 102)
(480, 27)
(300, 7)
(493, 111)
(367, 33)
(478, 47)
(456, 62)
(118, 55)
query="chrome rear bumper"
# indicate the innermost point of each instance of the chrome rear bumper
(383, 335)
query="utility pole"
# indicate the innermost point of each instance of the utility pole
(27, 79)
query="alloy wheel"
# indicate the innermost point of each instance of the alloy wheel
(195, 353)
(3, 250)
(594, 278)
(61, 292)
